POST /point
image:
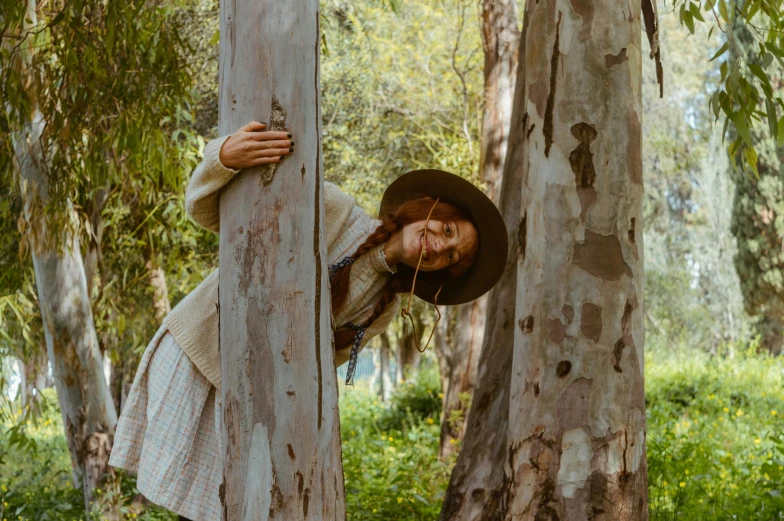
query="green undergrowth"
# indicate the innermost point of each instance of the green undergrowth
(715, 449)
(390, 451)
(715, 436)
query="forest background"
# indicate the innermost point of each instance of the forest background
(402, 88)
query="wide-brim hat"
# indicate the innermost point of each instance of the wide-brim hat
(493, 243)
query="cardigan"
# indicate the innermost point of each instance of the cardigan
(194, 321)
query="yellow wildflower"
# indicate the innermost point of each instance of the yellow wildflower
(400, 500)
(774, 413)
(726, 409)
(682, 484)
(758, 441)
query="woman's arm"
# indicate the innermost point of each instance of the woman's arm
(223, 158)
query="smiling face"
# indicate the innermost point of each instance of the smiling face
(447, 242)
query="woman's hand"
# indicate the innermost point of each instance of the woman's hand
(250, 146)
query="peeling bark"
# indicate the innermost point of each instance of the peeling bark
(477, 488)
(89, 416)
(85, 402)
(281, 436)
(576, 435)
(500, 37)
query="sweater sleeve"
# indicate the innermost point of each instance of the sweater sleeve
(201, 196)
(338, 207)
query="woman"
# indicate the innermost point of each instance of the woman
(438, 236)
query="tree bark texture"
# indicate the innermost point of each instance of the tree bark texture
(577, 408)
(89, 416)
(160, 295)
(500, 38)
(381, 382)
(34, 375)
(281, 439)
(477, 488)
(408, 356)
(93, 258)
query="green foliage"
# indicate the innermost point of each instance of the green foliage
(393, 97)
(413, 402)
(692, 292)
(758, 225)
(715, 444)
(715, 449)
(746, 95)
(109, 81)
(44, 491)
(390, 455)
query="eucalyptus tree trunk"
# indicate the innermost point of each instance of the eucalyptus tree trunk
(160, 290)
(478, 488)
(408, 356)
(89, 416)
(381, 382)
(34, 375)
(500, 38)
(93, 258)
(577, 408)
(281, 439)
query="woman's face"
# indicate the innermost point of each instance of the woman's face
(447, 242)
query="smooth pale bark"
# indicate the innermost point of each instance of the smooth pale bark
(34, 376)
(381, 381)
(281, 439)
(577, 408)
(93, 258)
(458, 356)
(160, 295)
(500, 39)
(89, 416)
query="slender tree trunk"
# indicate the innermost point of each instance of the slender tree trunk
(459, 361)
(501, 38)
(88, 413)
(458, 373)
(501, 41)
(34, 373)
(381, 382)
(408, 357)
(160, 298)
(93, 258)
(577, 408)
(477, 488)
(281, 433)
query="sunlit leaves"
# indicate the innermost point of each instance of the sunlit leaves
(747, 94)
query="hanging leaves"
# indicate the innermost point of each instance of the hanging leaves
(745, 94)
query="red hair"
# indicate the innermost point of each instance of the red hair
(400, 282)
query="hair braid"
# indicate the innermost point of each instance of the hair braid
(342, 276)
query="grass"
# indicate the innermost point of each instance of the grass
(715, 449)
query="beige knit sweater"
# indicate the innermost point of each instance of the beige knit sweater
(194, 321)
